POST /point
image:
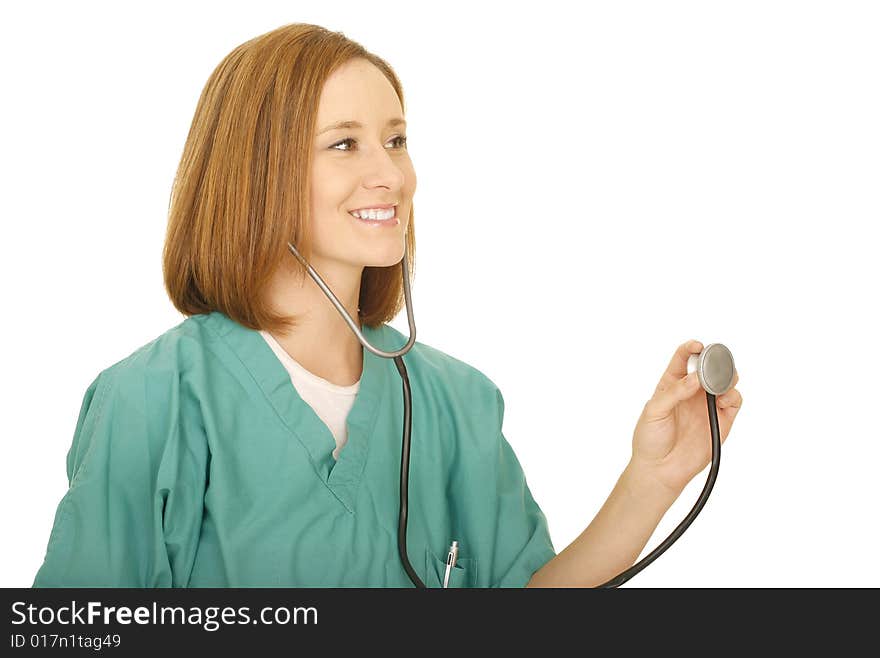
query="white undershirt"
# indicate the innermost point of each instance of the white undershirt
(330, 402)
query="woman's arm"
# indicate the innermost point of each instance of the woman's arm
(615, 537)
(137, 468)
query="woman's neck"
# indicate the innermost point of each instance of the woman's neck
(322, 342)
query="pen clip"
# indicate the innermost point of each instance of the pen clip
(451, 559)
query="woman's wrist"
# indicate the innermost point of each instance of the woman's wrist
(643, 484)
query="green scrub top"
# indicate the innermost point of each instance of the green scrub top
(195, 463)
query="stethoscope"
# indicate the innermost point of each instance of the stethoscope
(714, 367)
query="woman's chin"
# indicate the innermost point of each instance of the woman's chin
(386, 260)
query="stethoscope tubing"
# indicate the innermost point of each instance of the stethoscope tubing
(404, 475)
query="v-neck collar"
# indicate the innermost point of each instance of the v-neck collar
(341, 476)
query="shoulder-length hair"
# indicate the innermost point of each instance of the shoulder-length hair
(241, 191)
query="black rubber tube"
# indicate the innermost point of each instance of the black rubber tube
(404, 475)
(624, 576)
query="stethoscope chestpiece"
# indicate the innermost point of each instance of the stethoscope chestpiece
(714, 367)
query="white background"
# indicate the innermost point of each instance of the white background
(596, 186)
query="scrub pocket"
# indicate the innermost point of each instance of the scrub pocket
(463, 574)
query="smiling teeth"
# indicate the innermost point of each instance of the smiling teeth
(373, 213)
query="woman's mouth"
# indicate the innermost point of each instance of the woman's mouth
(377, 216)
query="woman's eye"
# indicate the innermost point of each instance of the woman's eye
(400, 139)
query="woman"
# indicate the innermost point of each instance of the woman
(257, 443)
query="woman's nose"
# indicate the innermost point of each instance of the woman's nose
(380, 168)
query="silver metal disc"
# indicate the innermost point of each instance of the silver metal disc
(715, 368)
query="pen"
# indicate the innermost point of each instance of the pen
(451, 558)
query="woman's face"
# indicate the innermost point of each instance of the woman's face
(360, 167)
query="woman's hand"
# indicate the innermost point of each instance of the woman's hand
(672, 440)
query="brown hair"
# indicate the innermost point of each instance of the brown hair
(242, 187)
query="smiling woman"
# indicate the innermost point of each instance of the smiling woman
(257, 443)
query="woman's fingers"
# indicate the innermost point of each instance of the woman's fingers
(731, 399)
(663, 402)
(677, 368)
